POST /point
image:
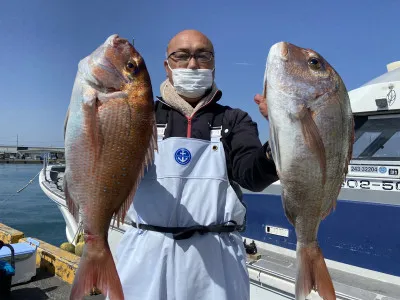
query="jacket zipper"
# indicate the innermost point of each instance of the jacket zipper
(189, 128)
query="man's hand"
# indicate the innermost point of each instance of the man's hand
(262, 105)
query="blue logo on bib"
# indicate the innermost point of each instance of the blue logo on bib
(183, 156)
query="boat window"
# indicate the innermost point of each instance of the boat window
(391, 148)
(377, 139)
(363, 142)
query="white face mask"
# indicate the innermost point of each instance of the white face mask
(192, 83)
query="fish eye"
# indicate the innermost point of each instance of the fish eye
(314, 63)
(132, 68)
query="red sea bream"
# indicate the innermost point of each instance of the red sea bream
(311, 135)
(109, 139)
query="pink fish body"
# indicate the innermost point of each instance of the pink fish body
(109, 140)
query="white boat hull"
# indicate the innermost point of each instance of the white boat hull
(266, 282)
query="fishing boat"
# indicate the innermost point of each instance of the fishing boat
(360, 239)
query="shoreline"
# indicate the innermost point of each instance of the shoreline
(28, 161)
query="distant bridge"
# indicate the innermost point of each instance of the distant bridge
(24, 149)
(40, 149)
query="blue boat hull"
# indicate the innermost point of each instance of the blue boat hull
(358, 233)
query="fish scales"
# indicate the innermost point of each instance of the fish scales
(311, 136)
(109, 139)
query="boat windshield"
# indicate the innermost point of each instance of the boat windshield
(377, 138)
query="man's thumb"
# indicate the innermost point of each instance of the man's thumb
(258, 99)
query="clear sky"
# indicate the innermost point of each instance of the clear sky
(41, 43)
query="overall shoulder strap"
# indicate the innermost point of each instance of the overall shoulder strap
(162, 113)
(223, 126)
(217, 123)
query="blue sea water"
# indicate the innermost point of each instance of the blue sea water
(29, 211)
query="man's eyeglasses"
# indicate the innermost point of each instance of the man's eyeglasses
(184, 57)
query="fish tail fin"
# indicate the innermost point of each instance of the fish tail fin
(97, 270)
(312, 273)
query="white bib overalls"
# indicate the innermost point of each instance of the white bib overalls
(187, 186)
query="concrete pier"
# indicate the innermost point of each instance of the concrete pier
(55, 270)
(43, 287)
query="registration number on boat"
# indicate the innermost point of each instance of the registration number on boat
(376, 171)
(364, 169)
(372, 184)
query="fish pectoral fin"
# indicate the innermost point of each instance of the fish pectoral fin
(313, 139)
(105, 97)
(91, 117)
(89, 96)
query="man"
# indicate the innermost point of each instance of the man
(184, 242)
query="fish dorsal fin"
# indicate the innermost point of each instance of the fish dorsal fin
(275, 149)
(148, 160)
(72, 205)
(350, 149)
(66, 121)
(288, 212)
(313, 139)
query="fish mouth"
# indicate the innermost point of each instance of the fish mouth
(115, 40)
(281, 50)
(284, 51)
(105, 90)
(110, 90)
(107, 65)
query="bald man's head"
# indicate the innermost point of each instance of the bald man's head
(190, 49)
(189, 39)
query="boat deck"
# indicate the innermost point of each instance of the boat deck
(42, 287)
(347, 285)
(274, 273)
(55, 185)
(46, 286)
